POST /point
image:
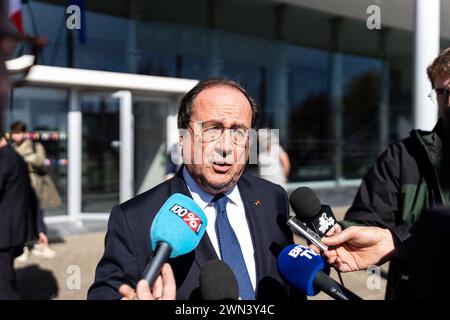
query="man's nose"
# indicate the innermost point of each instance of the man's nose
(225, 144)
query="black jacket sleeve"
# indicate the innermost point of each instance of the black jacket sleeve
(118, 264)
(376, 202)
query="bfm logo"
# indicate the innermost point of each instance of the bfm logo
(189, 217)
(302, 251)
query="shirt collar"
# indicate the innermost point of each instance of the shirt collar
(203, 198)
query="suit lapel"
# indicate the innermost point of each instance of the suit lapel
(252, 214)
(205, 250)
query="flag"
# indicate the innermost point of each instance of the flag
(15, 14)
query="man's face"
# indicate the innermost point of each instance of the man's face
(221, 161)
(443, 102)
(18, 137)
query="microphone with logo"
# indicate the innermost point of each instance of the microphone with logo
(176, 230)
(312, 220)
(218, 282)
(306, 270)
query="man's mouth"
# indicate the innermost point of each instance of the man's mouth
(221, 166)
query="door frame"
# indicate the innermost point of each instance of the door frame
(126, 148)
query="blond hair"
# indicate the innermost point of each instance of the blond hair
(440, 67)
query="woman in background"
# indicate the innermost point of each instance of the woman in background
(34, 155)
(273, 161)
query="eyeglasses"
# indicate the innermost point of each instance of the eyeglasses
(212, 131)
(19, 51)
(439, 96)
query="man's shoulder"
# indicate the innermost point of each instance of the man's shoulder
(11, 159)
(149, 199)
(257, 184)
(404, 150)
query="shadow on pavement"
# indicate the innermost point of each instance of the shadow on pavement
(34, 283)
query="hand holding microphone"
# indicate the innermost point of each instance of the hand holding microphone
(312, 220)
(357, 248)
(176, 230)
(164, 288)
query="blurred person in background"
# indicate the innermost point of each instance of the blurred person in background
(34, 155)
(411, 175)
(273, 161)
(17, 199)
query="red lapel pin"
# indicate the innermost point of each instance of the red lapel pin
(257, 203)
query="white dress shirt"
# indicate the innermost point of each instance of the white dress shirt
(236, 216)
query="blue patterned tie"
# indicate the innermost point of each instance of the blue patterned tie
(230, 249)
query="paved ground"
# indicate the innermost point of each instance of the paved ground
(69, 274)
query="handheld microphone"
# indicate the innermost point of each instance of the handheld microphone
(306, 270)
(308, 209)
(301, 229)
(218, 282)
(176, 230)
(310, 214)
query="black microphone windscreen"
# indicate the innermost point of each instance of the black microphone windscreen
(218, 282)
(305, 203)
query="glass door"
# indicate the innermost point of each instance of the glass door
(125, 145)
(154, 139)
(100, 174)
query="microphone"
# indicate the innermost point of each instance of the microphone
(218, 282)
(177, 229)
(308, 209)
(306, 270)
(310, 214)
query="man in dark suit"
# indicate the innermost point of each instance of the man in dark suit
(17, 199)
(246, 215)
(17, 209)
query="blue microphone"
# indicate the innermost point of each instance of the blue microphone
(177, 229)
(306, 270)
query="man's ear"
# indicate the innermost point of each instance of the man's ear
(180, 144)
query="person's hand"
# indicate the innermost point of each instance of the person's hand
(357, 248)
(164, 288)
(43, 240)
(334, 230)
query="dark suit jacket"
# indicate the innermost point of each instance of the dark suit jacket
(18, 201)
(127, 243)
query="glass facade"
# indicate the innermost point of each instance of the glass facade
(338, 92)
(322, 89)
(45, 113)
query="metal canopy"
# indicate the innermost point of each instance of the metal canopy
(82, 79)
